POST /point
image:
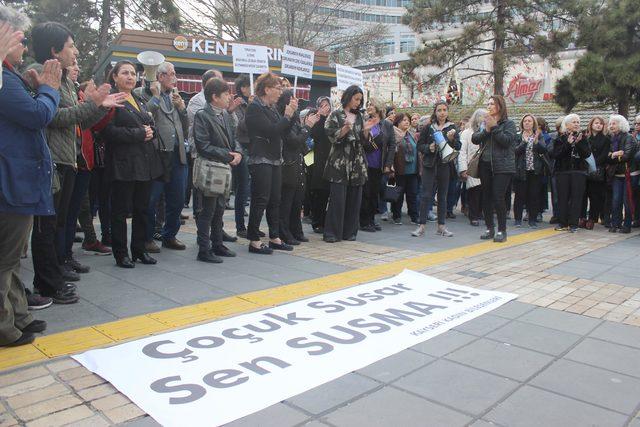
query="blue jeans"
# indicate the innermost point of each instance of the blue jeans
(80, 188)
(240, 175)
(620, 198)
(174, 192)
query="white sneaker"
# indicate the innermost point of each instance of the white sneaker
(444, 232)
(419, 232)
(431, 217)
(385, 216)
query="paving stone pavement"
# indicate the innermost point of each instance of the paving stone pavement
(564, 354)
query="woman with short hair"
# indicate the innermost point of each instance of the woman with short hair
(406, 169)
(266, 127)
(621, 155)
(380, 150)
(497, 138)
(570, 151)
(468, 150)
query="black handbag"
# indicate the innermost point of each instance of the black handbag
(392, 192)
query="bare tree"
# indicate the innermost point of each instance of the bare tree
(310, 24)
(242, 20)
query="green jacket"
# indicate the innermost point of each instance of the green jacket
(61, 132)
(346, 163)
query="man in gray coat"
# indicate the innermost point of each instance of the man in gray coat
(172, 127)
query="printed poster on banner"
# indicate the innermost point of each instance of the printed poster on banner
(218, 372)
(348, 76)
(297, 62)
(250, 59)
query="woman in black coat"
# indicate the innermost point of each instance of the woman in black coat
(599, 143)
(294, 148)
(570, 151)
(266, 127)
(497, 138)
(435, 173)
(319, 186)
(529, 170)
(131, 164)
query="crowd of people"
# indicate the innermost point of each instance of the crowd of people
(122, 150)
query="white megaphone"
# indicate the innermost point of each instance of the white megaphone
(150, 60)
(448, 154)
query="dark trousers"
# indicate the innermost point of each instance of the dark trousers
(343, 211)
(370, 195)
(174, 191)
(606, 207)
(621, 198)
(554, 197)
(100, 197)
(47, 271)
(453, 193)
(544, 193)
(306, 200)
(494, 191)
(474, 203)
(189, 183)
(129, 197)
(14, 313)
(86, 221)
(319, 201)
(527, 193)
(241, 189)
(209, 220)
(62, 201)
(432, 179)
(594, 195)
(80, 188)
(266, 184)
(290, 209)
(409, 184)
(571, 186)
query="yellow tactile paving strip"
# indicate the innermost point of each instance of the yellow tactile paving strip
(83, 339)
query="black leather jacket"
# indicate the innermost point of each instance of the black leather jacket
(499, 145)
(213, 136)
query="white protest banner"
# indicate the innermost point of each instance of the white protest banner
(250, 59)
(297, 62)
(348, 76)
(215, 373)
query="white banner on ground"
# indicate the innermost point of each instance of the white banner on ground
(250, 59)
(347, 76)
(215, 373)
(297, 62)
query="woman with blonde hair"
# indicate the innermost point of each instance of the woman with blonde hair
(474, 187)
(529, 168)
(379, 150)
(599, 143)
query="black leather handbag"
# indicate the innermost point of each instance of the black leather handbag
(392, 191)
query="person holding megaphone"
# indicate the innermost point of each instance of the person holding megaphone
(437, 165)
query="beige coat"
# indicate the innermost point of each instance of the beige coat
(466, 153)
